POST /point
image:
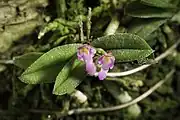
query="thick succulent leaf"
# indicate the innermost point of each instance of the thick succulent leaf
(75, 78)
(159, 3)
(137, 9)
(144, 28)
(55, 57)
(26, 60)
(124, 46)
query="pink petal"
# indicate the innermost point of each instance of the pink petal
(112, 63)
(90, 68)
(100, 60)
(102, 74)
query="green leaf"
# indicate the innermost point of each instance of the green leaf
(130, 55)
(144, 28)
(177, 59)
(46, 75)
(121, 41)
(159, 3)
(137, 9)
(49, 62)
(26, 60)
(67, 86)
(65, 72)
(124, 46)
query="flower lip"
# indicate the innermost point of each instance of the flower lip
(107, 62)
(86, 53)
(90, 68)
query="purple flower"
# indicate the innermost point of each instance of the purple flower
(107, 62)
(90, 68)
(86, 53)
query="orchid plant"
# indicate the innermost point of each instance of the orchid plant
(69, 64)
(106, 58)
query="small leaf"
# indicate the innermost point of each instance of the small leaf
(65, 72)
(50, 62)
(137, 9)
(159, 3)
(144, 28)
(26, 60)
(130, 55)
(124, 46)
(69, 85)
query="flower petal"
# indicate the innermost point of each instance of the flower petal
(112, 63)
(90, 68)
(86, 53)
(102, 74)
(100, 60)
(92, 51)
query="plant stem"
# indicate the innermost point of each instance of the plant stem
(81, 30)
(6, 62)
(88, 24)
(61, 8)
(113, 25)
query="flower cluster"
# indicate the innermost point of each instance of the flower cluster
(86, 53)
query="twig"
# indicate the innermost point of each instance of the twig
(6, 62)
(81, 30)
(113, 26)
(88, 24)
(61, 8)
(157, 59)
